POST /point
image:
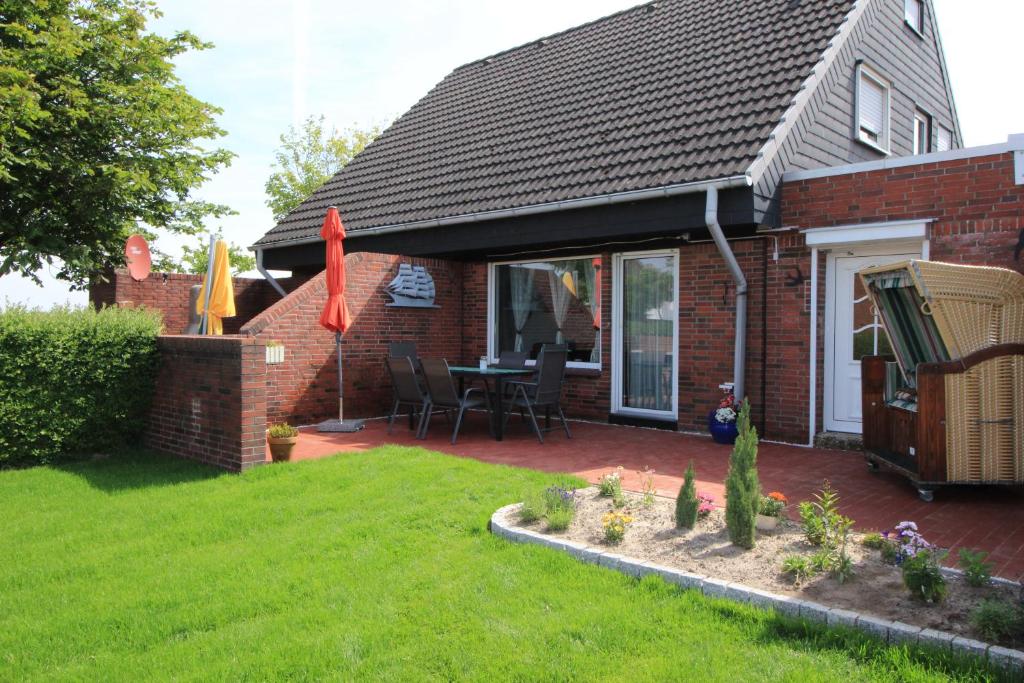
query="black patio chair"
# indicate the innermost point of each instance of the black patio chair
(545, 391)
(512, 360)
(407, 392)
(442, 394)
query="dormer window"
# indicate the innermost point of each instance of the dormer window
(913, 14)
(873, 104)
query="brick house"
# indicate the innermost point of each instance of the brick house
(680, 192)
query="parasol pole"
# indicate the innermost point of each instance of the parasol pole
(204, 321)
(341, 384)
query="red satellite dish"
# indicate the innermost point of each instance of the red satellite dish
(136, 255)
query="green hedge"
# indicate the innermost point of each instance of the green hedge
(73, 381)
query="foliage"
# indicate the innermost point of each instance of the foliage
(706, 504)
(999, 621)
(558, 498)
(799, 568)
(197, 259)
(773, 505)
(98, 137)
(647, 483)
(742, 489)
(890, 552)
(726, 411)
(873, 540)
(619, 499)
(308, 158)
(74, 381)
(977, 572)
(823, 526)
(611, 483)
(282, 430)
(922, 576)
(559, 520)
(614, 524)
(686, 501)
(534, 507)
(328, 577)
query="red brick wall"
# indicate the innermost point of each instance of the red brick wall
(210, 401)
(169, 294)
(303, 389)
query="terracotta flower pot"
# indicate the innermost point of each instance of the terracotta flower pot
(766, 523)
(281, 448)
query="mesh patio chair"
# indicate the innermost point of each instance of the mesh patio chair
(545, 391)
(407, 392)
(404, 349)
(442, 394)
(512, 360)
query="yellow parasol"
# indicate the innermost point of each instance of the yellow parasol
(221, 295)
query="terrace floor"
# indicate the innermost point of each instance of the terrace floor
(987, 518)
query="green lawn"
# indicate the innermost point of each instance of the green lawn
(370, 566)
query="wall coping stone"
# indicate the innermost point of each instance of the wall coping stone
(893, 632)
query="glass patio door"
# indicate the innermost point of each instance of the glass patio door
(646, 334)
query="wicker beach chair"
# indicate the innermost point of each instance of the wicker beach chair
(950, 408)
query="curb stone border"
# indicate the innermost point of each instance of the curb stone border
(893, 632)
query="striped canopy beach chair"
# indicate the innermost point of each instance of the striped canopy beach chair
(950, 408)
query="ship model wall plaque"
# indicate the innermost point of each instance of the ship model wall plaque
(412, 288)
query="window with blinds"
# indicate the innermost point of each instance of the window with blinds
(872, 109)
(943, 139)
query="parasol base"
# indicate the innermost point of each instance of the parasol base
(340, 426)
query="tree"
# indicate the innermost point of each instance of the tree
(196, 259)
(742, 488)
(98, 137)
(686, 501)
(307, 159)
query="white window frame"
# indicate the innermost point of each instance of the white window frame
(492, 298)
(922, 118)
(883, 144)
(919, 30)
(616, 352)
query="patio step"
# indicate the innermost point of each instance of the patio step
(839, 441)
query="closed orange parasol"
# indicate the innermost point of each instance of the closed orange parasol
(335, 316)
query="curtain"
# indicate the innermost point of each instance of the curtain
(521, 280)
(560, 297)
(592, 273)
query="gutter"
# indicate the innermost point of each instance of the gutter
(740, 347)
(550, 207)
(266, 274)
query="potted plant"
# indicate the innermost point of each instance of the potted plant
(722, 421)
(771, 509)
(282, 439)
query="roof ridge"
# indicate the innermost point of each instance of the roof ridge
(572, 29)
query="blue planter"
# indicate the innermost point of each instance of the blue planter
(722, 432)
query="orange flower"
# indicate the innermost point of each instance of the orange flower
(775, 495)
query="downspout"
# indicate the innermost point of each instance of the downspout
(740, 350)
(266, 274)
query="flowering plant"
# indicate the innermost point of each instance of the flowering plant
(726, 411)
(647, 479)
(773, 504)
(706, 503)
(614, 524)
(908, 541)
(611, 483)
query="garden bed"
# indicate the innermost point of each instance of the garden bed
(876, 587)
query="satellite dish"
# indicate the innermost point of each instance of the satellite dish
(136, 255)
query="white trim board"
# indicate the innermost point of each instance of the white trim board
(867, 233)
(1015, 143)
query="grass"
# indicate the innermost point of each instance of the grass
(370, 566)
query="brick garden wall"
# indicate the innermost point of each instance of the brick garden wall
(210, 401)
(169, 294)
(303, 389)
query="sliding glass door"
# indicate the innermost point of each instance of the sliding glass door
(646, 334)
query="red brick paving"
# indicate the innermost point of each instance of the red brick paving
(988, 518)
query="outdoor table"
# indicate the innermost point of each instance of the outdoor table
(499, 375)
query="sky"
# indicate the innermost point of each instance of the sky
(361, 64)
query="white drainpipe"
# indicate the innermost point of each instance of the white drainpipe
(740, 350)
(265, 273)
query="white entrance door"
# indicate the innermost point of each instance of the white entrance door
(852, 331)
(645, 334)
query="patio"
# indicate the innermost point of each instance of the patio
(987, 518)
